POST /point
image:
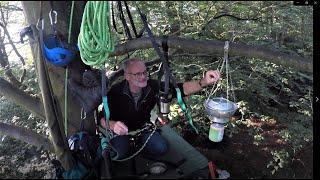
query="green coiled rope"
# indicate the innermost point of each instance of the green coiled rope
(95, 40)
(95, 44)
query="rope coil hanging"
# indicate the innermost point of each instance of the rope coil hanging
(95, 40)
(96, 43)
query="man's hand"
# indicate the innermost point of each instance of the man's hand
(210, 77)
(116, 126)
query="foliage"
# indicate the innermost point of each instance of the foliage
(280, 159)
(14, 114)
(265, 92)
(272, 24)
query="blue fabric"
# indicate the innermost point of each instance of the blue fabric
(121, 145)
(77, 172)
(157, 145)
(57, 52)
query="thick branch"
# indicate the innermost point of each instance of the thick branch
(16, 95)
(27, 136)
(235, 17)
(217, 48)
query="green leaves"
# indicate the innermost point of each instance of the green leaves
(280, 159)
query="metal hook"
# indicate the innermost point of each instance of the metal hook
(50, 16)
(85, 114)
(95, 116)
(41, 24)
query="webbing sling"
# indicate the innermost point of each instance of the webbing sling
(124, 22)
(104, 96)
(113, 20)
(165, 64)
(130, 18)
(126, 28)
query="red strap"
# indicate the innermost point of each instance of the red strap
(212, 169)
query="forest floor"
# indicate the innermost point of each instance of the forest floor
(243, 158)
(238, 155)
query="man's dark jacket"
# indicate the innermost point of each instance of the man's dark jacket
(122, 106)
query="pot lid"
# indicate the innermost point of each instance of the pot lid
(220, 104)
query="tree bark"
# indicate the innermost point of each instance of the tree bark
(217, 48)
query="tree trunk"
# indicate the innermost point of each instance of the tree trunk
(56, 75)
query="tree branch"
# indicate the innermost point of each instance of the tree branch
(235, 17)
(19, 97)
(15, 50)
(27, 136)
(217, 48)
(6, 66)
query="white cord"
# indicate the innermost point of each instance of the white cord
(226, 62)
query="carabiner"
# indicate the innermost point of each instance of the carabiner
(83, 113)
(41, 24)
(50, 16)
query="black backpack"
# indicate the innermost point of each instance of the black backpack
(86, 150)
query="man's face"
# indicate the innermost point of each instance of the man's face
(137, 74)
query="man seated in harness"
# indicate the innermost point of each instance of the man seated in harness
(131, 101)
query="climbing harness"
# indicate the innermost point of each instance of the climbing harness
(57, 52)
(166, 67)
(106, 144)
(95, 44)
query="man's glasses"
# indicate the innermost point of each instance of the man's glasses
(139, 74)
